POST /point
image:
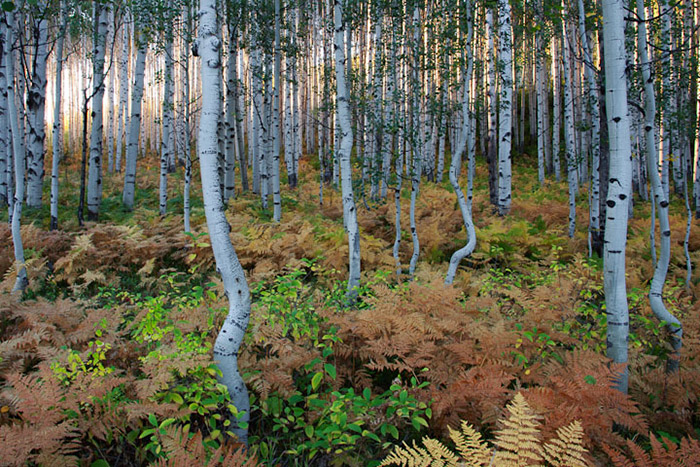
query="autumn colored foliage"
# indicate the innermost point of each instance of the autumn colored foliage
(107, 357)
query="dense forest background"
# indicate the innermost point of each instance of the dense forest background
(392, 232)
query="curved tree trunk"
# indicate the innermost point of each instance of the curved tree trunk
(657, 283)
(455, 166)
(231, 334)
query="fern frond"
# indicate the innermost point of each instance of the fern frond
(408, 456)
(519, 441)
(470, 446)
(566, 450)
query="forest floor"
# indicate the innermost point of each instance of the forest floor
(106, 358)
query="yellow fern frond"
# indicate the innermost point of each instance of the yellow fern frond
(470, 446)
(408, 456)
(566, 450)
(519, 441)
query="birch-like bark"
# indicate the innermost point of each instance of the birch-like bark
(36, 103)
(235, 285)
(492, 151)
(455, 166)
(5, 169)
(541, 103)
(132, 146)
(668, 95)
(231, 102)
(94, 186)
(619, 187)
(276, 198)
(594, 108)
(344, 153)
(505, 117)
(416, 137)
(56, 130)
(123, 93)
(569, 136)
(165, 145)
(661, 202)
(556, 111)
(111, 105)
(186, 98)
(21, 282)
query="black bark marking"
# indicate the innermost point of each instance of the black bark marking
(610, 203)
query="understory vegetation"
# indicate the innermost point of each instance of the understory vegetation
(107, 357)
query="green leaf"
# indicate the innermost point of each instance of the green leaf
(152, 419)
(8, 6)
(589, 379)
(393, 431)
(309, 430)
(100, 463)
(367, 393)
(330, 369)
(316, 380)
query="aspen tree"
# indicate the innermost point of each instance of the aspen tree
(492, 146)
(541, 101)
(661, 202)
(123, 92)
(556, 111)
(56, 131)
(592, 98)
(111, 105)
(5, 169)
(21, 282)
(132, 146)
(276, 198)
(416, 135)
(36, 101)
(344, 152)
(166, 148)
(619, 184)
(505, 112)
(94, 186)
(230, 337)
(455, 166)
(569, 136)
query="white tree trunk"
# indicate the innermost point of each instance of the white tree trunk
(231, 334)
(111, 105)
(455, 166)
(123, 93)
(569, 130)
(165, 146)
(132, 146)
(505, 118)
(276, 197)
(36, 102)
(94, 186)
(556, 110)
(541, 102)
(231, 97)
(56, 130)
(619, 186)
(657, 284)
(344, 153)
(5, 146)
(19, 158)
